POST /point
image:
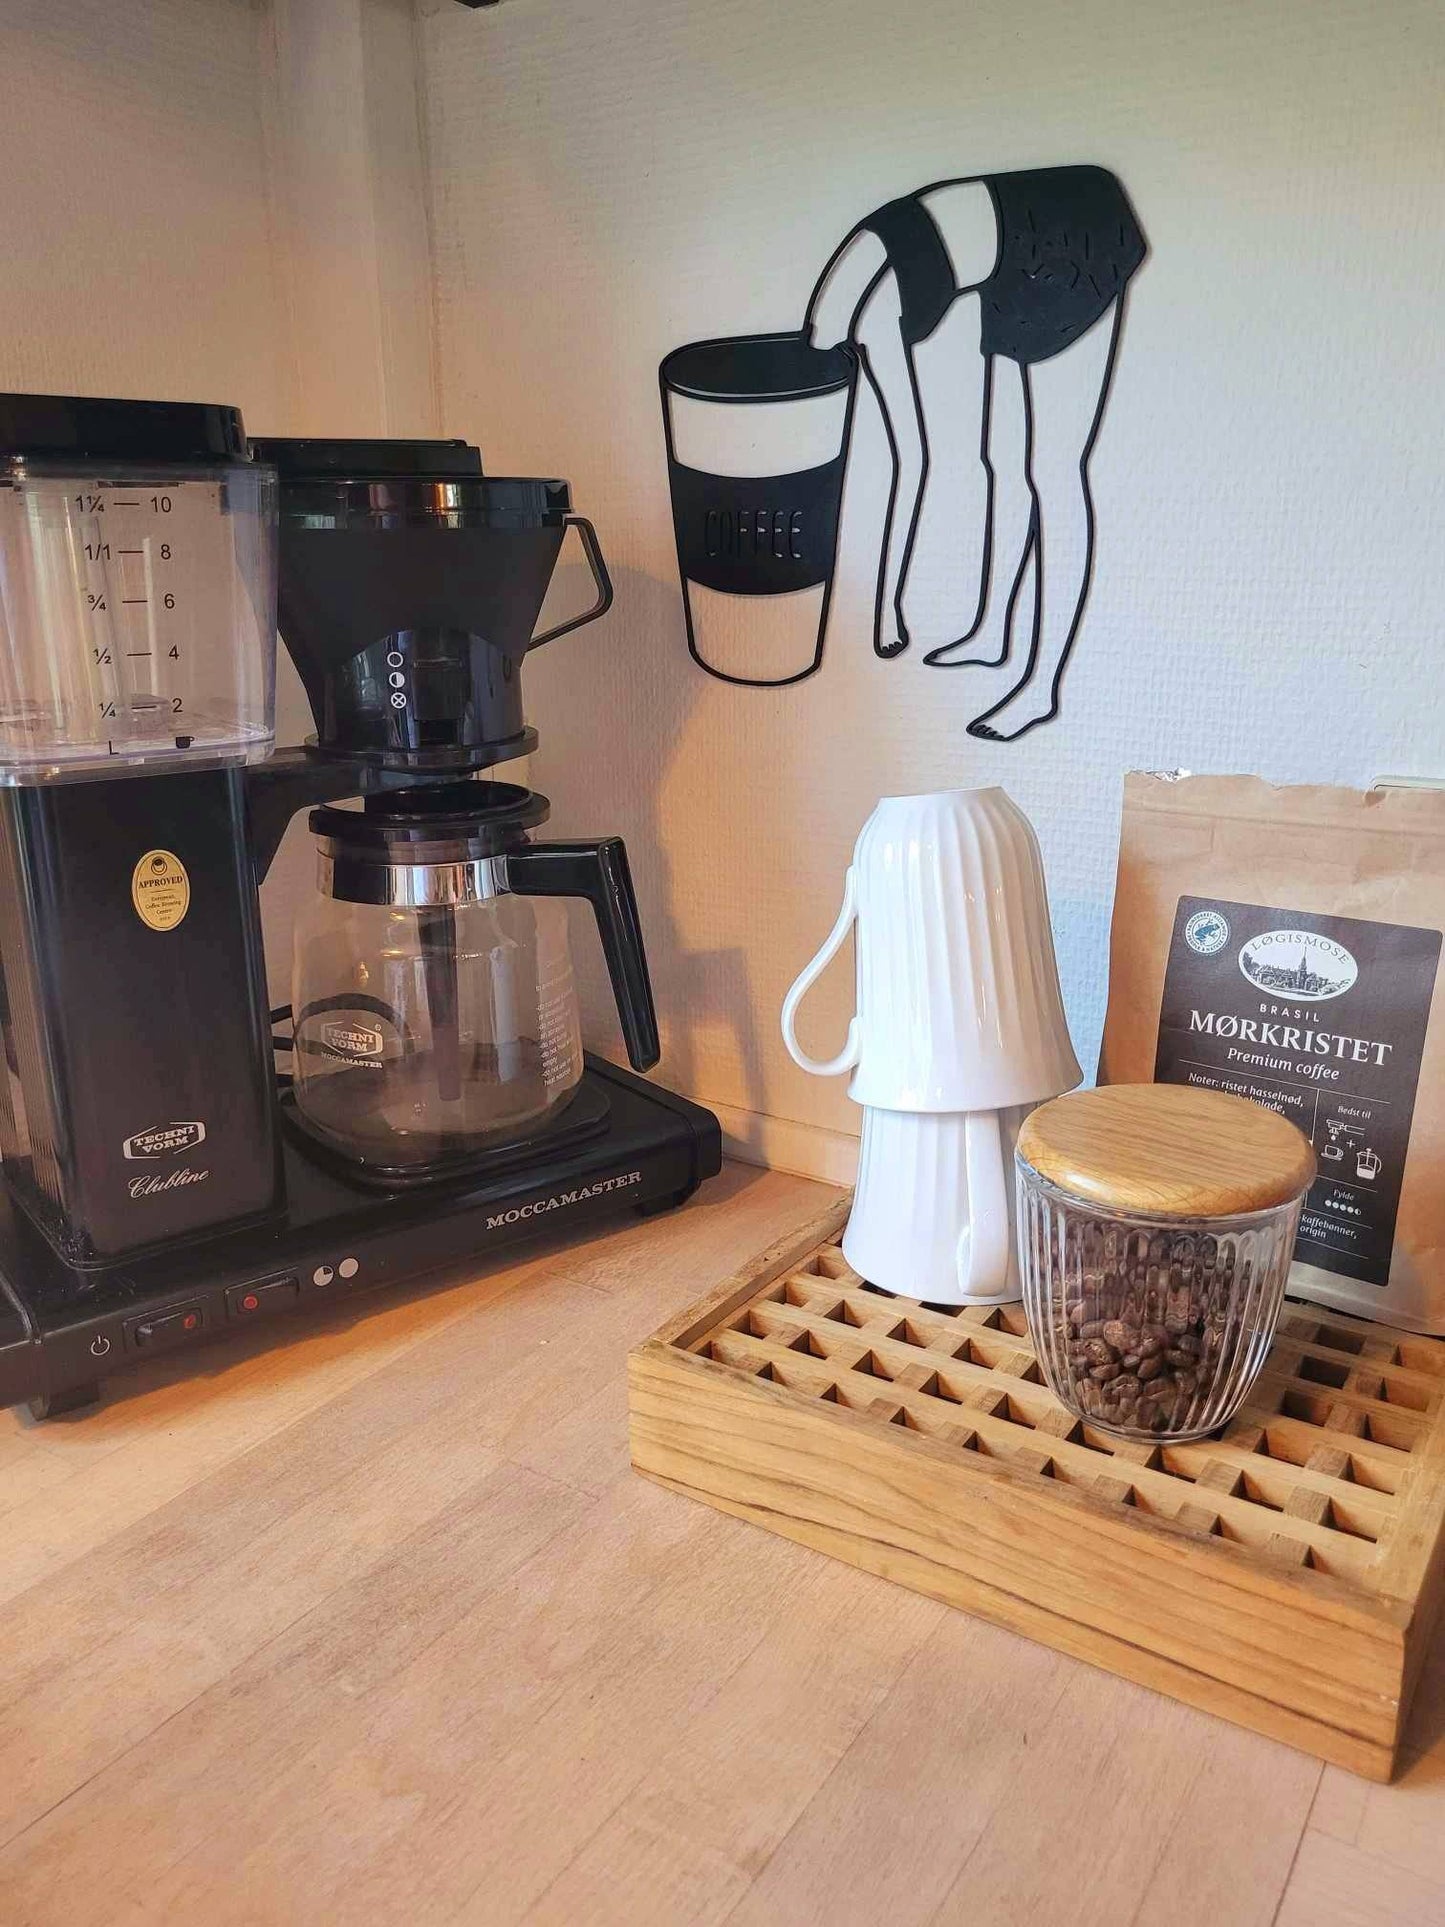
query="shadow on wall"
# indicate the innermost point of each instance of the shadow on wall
(625, 692)
(1081, 941)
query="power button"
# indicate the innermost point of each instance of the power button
(100, 1346)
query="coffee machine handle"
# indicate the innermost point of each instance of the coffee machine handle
(808, 976)
(600, 873)
(592, 548)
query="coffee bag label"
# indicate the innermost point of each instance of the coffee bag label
(1323, 1019)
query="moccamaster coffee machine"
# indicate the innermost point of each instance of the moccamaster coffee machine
(163, 1185)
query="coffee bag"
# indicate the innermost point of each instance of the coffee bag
(1284, 944)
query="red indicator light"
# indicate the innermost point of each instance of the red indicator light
(250, 1302)
(191, 1320)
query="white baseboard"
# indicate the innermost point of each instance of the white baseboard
(782, 1144)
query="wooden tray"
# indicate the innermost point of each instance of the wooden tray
(1284, 1576)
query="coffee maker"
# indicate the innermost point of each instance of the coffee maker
(181, 1162)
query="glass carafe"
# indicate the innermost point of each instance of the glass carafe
(435, 1016)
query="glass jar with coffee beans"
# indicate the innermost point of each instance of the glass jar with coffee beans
(1155, 1225)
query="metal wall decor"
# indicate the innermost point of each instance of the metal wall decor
(1049, 253)
(749, 534)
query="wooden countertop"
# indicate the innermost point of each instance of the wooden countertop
(380, 1627)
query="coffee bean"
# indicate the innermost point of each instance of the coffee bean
(1140, 1327)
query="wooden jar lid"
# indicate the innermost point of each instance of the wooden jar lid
(1167, 1150)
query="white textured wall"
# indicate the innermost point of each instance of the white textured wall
(610, 181)
(134, 228)
(220, 200)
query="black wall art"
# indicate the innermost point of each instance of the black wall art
(759, 430)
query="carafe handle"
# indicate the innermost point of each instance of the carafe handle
(602, 581)
(600, 873)
(808, 976)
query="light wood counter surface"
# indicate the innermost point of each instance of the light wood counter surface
(380, 1627)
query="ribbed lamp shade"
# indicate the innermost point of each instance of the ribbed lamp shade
(958, 990)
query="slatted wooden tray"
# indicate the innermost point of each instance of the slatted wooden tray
(1284, 1575)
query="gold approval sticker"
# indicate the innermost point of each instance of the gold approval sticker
(160, 890)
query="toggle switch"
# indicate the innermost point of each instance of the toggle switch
(165, 1328)
(254, 1301)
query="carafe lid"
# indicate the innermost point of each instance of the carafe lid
(1168, 1151)
(102, 428)
(432, 823)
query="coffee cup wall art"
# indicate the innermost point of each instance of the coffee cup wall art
(982, 317)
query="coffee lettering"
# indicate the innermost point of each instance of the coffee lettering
(735, 534)
(1289, 1037)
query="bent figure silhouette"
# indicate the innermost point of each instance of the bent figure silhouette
(1049, 253)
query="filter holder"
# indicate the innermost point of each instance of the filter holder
(410, 590)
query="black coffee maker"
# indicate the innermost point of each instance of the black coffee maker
(163, 1186)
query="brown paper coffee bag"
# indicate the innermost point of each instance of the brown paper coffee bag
(1284, 944)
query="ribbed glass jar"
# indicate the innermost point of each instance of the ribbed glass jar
(1150, 1327)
